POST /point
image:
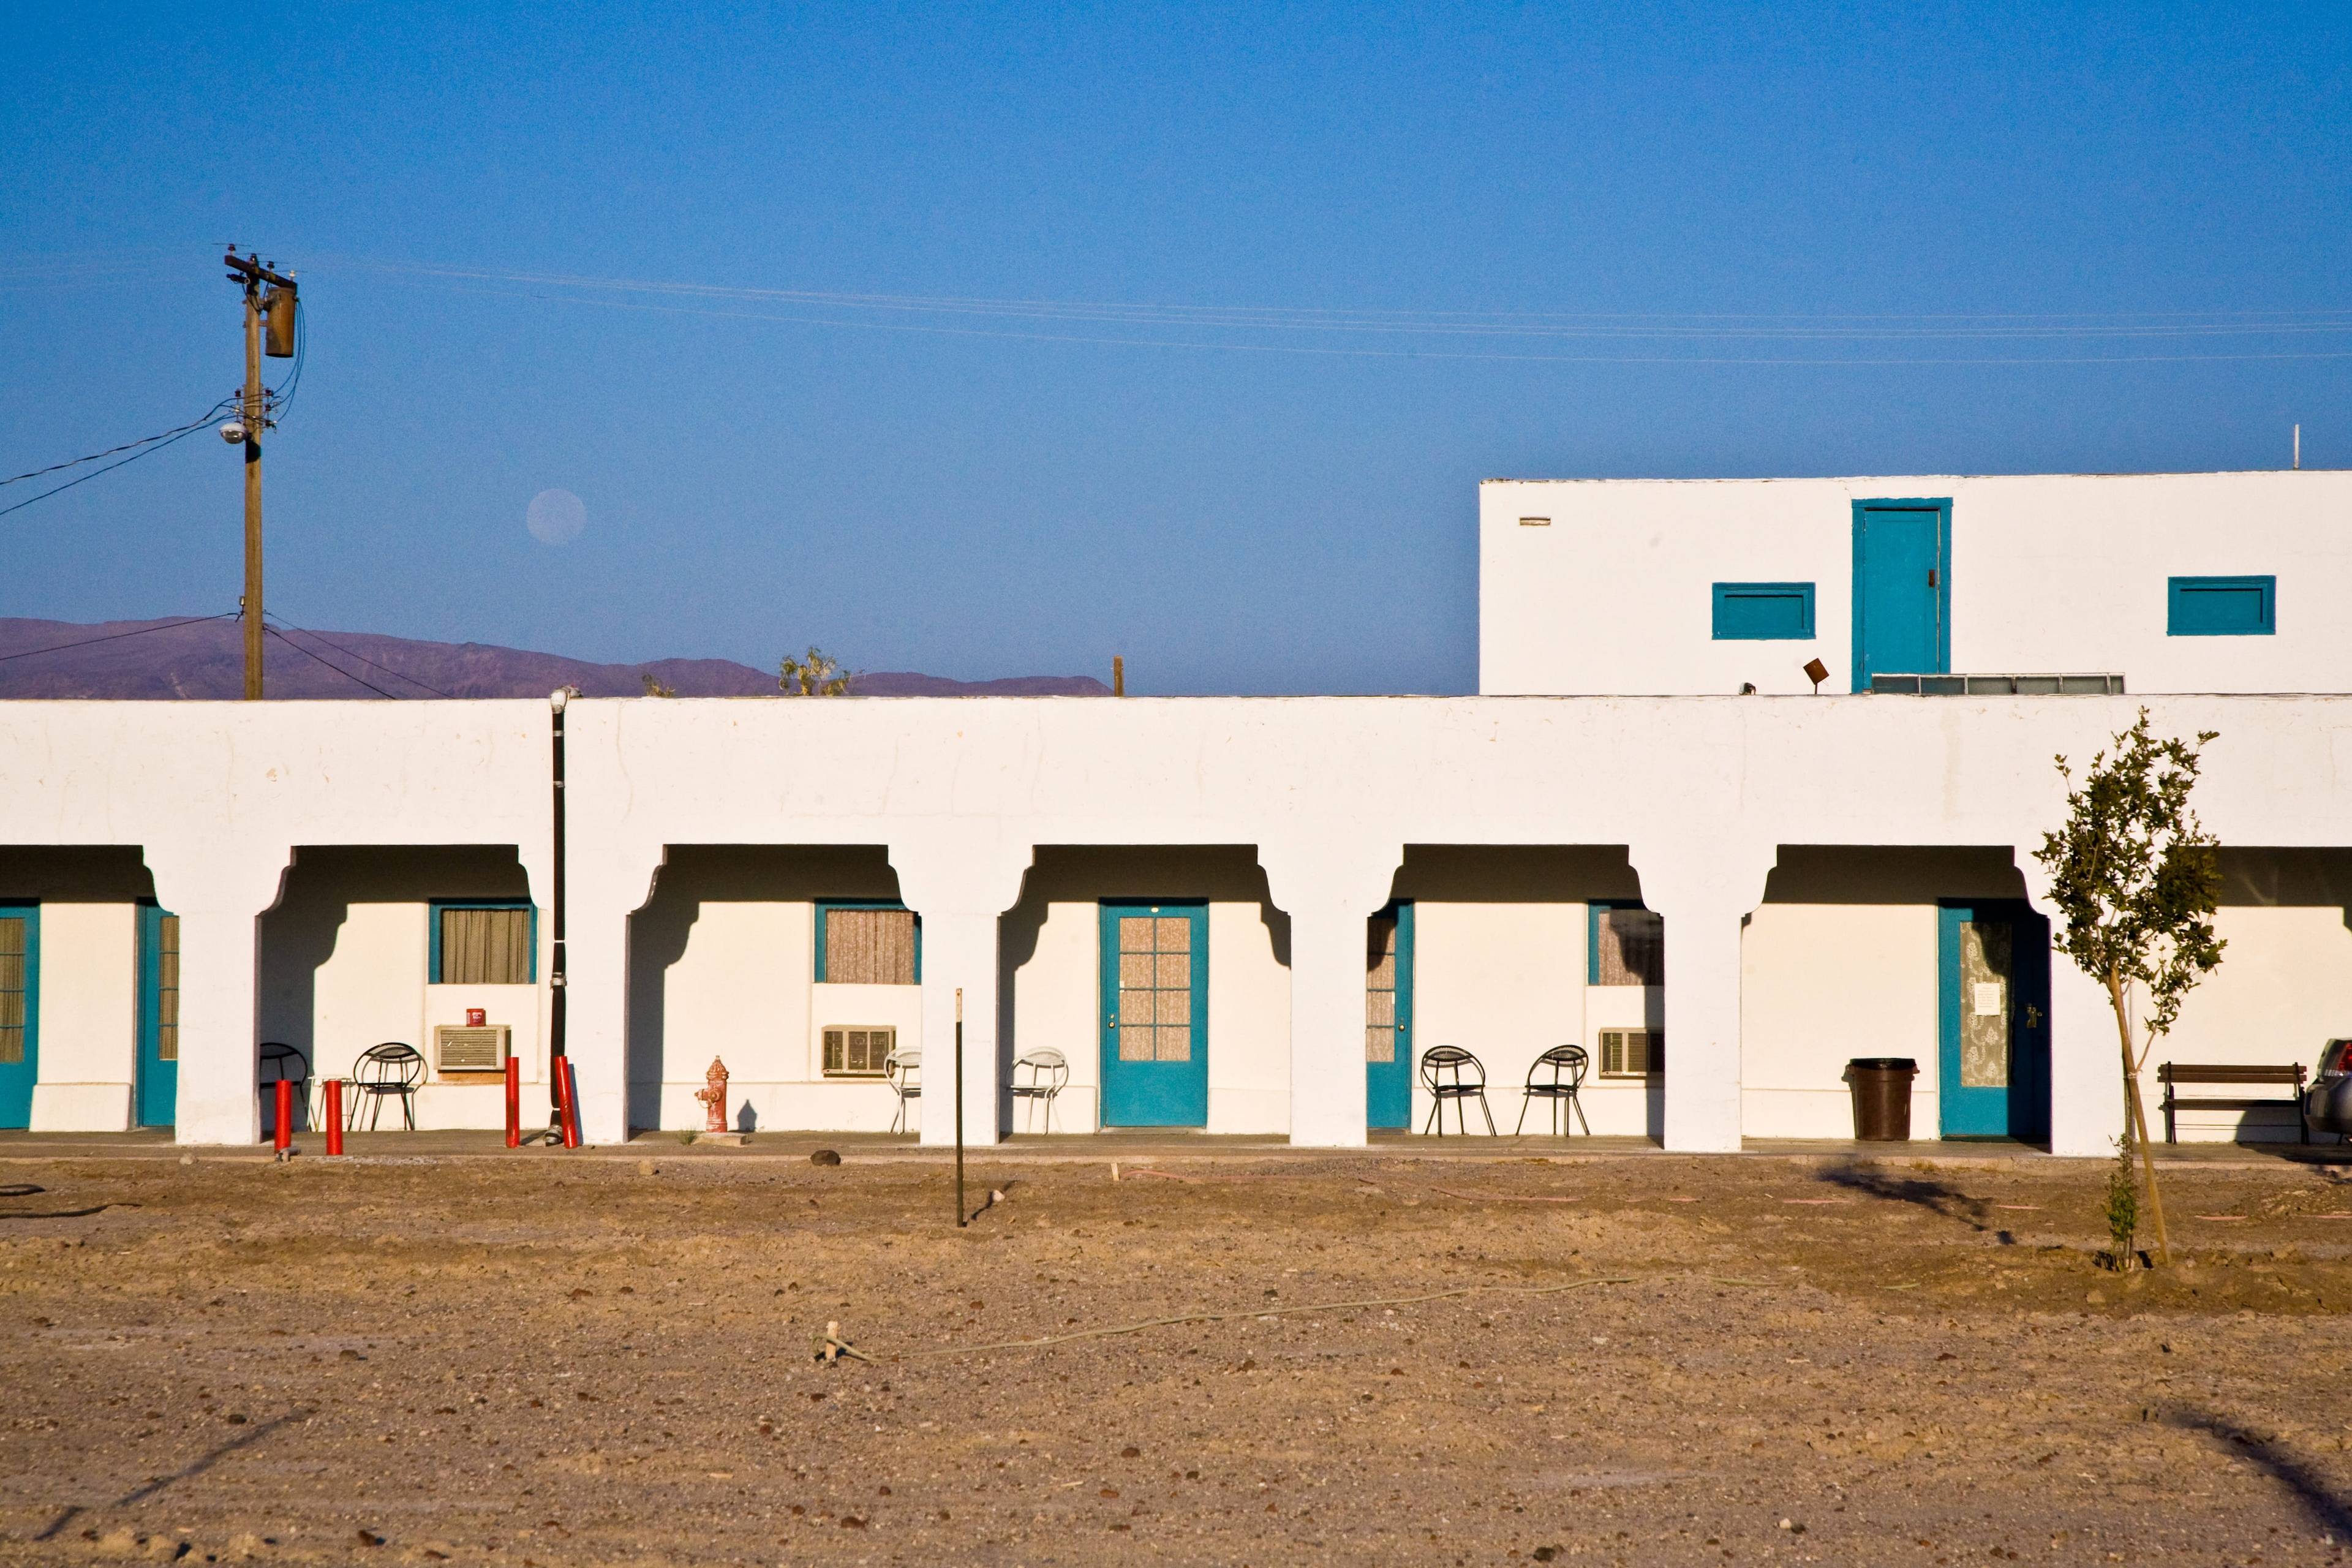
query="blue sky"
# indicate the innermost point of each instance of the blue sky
(1606, 216)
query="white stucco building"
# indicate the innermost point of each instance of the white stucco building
(1254, 915)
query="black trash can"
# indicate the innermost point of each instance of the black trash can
(1882, 1097)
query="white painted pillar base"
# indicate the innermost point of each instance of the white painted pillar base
(959, 951)
(1330, 891)
(961, 882)
(219, 893)
(601, 892)
(1705, 892)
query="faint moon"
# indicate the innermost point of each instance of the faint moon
(556, 517)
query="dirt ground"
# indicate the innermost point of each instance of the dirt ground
(550, 1360)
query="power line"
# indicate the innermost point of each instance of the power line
(1663, 325)
(127, 445)
(330, 664)
(354, 653)
(161, 443)
(1848, 360)
(117, 637)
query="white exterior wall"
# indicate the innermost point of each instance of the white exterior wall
(959, 795)
(1249, 1025)
(89, 1038)
(1506, 982)
(374, 986)
(2283, 989)
(743, 991)
(2049, 573)
(1819, 985)
(1055, 986)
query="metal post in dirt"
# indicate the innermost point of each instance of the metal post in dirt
(961, 1221)
(557, 1054)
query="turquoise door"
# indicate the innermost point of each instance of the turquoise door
(20, 1011)
(1902, 588)
(159, 1016)
(1388, 1019)
(1993, 1011)
(1155, 1039)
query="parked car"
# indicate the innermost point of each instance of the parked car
(2328, 1101)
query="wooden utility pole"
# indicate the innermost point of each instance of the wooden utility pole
(278, 305)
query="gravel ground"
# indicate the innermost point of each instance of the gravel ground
(537, 1359)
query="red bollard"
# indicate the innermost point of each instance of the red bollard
(334, 1116)
(284, 1138)
(514, 1103)
(570, 1104)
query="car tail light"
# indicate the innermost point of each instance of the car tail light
(2337, 1057)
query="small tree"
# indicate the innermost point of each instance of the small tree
(2137, 880)
(817, 675)
(655, 687)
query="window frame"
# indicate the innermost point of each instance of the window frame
(1653, 1052)
(1594, 909)
(824, 907)
(878, 1075)
(432, 934)
(29, 911)
(2177, 597)
(1722, 595)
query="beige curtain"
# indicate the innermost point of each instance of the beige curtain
(869, 947)
(12, 990)
(485, 947)
(167, 994)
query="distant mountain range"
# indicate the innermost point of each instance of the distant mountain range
(158, 660)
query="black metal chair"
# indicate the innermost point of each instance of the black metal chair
(1449, 1072)
(383, 1072)
(283, 1063)
(1556, 1075)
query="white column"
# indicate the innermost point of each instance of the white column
(1703, 891)
(2087, 1096)
(604, 884)
(960, 884)
(1329, 891)
(219, 891)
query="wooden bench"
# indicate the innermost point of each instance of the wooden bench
(2172, 1075)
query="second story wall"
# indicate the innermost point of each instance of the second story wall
(2180, 582)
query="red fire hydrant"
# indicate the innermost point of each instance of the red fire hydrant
(713, 1095)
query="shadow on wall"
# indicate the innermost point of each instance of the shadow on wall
(692, 875)
(1891, 874)
(1069, 873)
(75, 874)
(303, 931)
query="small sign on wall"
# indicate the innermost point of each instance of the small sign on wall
(1989, 1002)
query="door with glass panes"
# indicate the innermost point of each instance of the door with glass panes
(20, 1011)
(1155, 1033)
(1388, 1019)
(1993, 1007)
(159, 1016)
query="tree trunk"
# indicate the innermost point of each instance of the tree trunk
(2138, 1117)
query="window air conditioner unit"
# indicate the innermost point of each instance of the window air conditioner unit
(857, 1052)
(1633, 1053)
(458, 1048)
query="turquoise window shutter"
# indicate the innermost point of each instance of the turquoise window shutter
(2220, 607)
(1763, 612)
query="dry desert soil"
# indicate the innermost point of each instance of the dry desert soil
(550, 1358)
